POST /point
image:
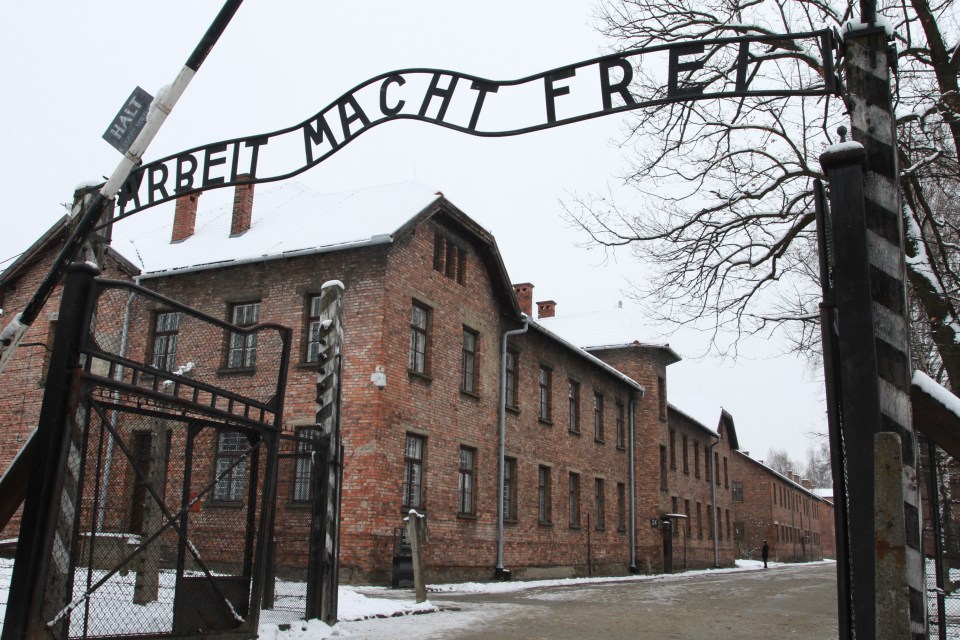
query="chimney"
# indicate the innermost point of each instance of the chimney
(185, 217)
(242, 207)
(524, 293)
(546, 309)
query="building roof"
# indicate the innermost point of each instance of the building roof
(936, 412)
(607, 329)
(796, 485)
(538, 326)
(288, 220)
(673, 410)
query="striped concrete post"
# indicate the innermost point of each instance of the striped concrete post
(867, 69)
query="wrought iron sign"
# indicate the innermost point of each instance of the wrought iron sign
(685, 71)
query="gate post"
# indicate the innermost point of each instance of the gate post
(43, 564)
(868, 59)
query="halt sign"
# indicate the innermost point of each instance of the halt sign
(129, 121)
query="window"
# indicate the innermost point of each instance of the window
(710, 521)
(413, 471)
(598, 417)
(662, 397)
(728, 523)
(621, 506)
(509, 488)
(573, 491)
(511, 378)
(621, 426)
(686, 458)
(673, 449)
(719, 519)
(726, 478)
(465, 486)
(166, 330)
(546, 382)
(544, 512)
(663, 468)
(302, 485)
(468, 381)
(699, 522)
(706, 463)
(599, 512)
(313, 329)
(243, 346)
(686, 512)
(696, 459)
(675, 508)
(449, 258)
(716, 467)
(419, 327)
(573, 401)
(737, 491)
(230, 466)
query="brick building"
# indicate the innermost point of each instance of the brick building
(21, 389)
(599, 472)
(785, 511)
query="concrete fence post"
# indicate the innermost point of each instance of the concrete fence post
(890, 540)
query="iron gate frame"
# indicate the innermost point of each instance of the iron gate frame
(83, 379)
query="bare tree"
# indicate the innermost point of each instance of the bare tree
(779, 460)
(817, 468)
(727, 221)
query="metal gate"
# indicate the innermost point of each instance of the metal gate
(154, 514)
(940, 480)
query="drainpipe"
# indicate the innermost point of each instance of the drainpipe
(632, 407)
(713, 496)
(101, 512)
(503, 437)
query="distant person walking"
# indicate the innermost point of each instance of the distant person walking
(765, 553)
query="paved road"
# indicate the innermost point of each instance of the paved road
(796, 601)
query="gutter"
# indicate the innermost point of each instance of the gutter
(631, 408)
(503, 437)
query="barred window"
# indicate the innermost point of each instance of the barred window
(243, 346)
(737, 491)
(302, 476)
(229, 466)
(511, 378)
(599, 510)
(573, 494)
(598, 417)
(546, 384)
(621, 426)
(621, 506)
(166, 331)
(510, 488)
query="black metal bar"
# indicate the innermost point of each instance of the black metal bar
(859, 395)
(252, 494)
(214, 31)
(28, 584)
(835, 431)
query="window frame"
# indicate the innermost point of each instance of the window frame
(621, 411)
(467, 482)
(418, 360)
(673, 448)
(598, 417)
(573, 405)
(599, 504)
(469, 381)
(243, 344)
(411, 464)
(737, 490)
(511, 380)
(313, 325)
(303, 465)
(544, 491)
(168, 336)
(573, 499)
(545, 395)
(510, 511)
(236, 478)
(662, 397)
(664, 484)
(621, 506)
(686, 456)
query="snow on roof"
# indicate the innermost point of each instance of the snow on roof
(937, 391)
(601, 329)
(538, 325)
(288, 219)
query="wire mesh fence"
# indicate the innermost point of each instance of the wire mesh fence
(939, 474)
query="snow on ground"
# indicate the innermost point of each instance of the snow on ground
(357, 604)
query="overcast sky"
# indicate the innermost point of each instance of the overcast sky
(68, 67)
